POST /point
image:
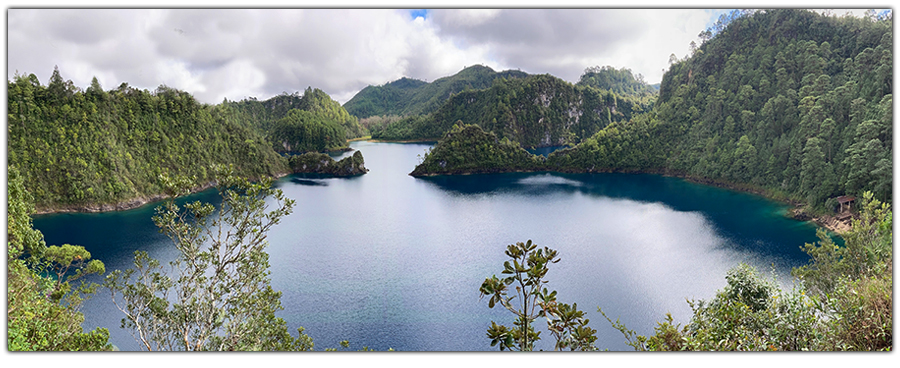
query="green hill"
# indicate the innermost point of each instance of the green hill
(266, 114)
(787, 101)
(414, 97)
(619, 81)
(95, 149)
(305, 131)
(535, 111)
(467, 149)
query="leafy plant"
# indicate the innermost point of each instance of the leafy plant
(843, 302)
(218, 296)
(526, 270)
(42, 307)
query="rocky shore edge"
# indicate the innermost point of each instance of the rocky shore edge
(125, 205)
(307, 163)
(832, 223)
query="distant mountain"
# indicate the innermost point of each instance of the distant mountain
(407, 96)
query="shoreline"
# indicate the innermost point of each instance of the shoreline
(829, 222)
(368, 137)
(401, 140)
(797, 210)
(125, 205)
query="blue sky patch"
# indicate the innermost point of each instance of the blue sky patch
(415, 13)
(714, 16)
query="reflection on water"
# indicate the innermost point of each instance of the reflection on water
(302, 181)
(548, 179)
(386, 260)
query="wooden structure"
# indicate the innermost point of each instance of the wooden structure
(845, 200)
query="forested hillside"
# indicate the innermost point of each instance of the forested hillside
(304, 131)
(407, 96)
(267, 115)
(536, 111)
(467, 149)
(618, 81)
(75, 148)
(789, 101)
(101, 150)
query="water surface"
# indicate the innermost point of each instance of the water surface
(386, 260)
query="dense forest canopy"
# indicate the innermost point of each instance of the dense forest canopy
(619, 81)
(265, 114)
(467, 149)
(97, 149)
(790, 101)
(534, 111)
(77, 147)
(305, 131)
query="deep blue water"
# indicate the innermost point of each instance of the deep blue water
(386, 260)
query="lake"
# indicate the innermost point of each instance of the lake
(386, 260)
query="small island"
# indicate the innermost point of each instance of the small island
(467, 149)
(320, 163)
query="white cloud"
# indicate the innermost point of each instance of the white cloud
(563, 42)
(237, 80)
(238, 53)
(468, 17)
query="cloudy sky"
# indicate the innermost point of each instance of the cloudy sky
(240, 53)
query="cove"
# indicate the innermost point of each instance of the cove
(386, 260)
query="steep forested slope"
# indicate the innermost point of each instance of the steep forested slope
(790, 99)
(536, 111)
(304, 131)
(467, 149)
(76, 148)
(414, 97)
(787, 100)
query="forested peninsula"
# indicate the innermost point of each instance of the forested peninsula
(97, 150)
(786, 103)
(467, 149)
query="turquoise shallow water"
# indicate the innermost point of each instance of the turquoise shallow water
(386, 260)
